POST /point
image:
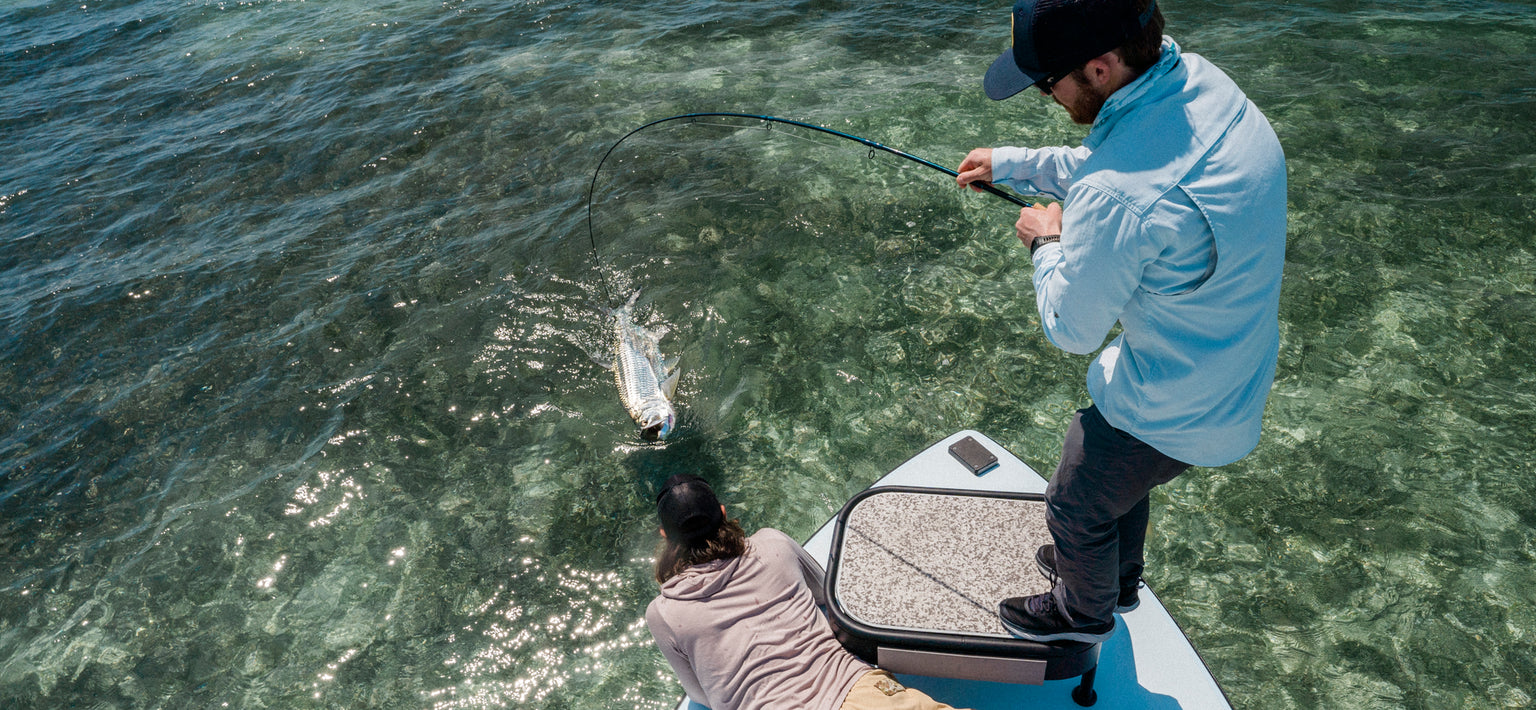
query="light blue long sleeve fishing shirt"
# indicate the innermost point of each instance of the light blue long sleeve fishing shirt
(1173, 226)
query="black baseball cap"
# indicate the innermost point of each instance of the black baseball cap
(688, 508)
(1056, 36)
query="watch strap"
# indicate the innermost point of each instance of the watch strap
(1041, 241)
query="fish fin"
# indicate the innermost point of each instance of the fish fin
(669, 386)
(622, 313)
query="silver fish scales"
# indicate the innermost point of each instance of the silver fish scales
(646, 380)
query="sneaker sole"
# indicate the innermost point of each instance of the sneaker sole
(1080, 636)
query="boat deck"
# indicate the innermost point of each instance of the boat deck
(1148, 663)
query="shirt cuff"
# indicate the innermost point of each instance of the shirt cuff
(1048, 251)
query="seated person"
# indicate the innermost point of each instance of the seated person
(738, 617)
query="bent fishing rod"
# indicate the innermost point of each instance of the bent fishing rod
(873, 146)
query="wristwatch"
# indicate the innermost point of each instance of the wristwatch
(1041, 241)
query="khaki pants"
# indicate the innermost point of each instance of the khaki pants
(878, 690)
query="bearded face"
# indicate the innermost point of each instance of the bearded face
(1080, 98)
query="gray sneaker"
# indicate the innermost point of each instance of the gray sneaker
(1045, 560)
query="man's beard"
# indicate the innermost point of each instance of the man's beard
(1089, 100)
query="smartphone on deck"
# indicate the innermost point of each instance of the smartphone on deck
(975, 456)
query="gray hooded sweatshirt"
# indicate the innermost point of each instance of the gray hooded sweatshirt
(746, 632)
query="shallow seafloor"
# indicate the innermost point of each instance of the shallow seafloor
(303, 401)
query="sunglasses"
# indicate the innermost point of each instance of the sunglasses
(1044, 85)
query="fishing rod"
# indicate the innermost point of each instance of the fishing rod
(873, 146)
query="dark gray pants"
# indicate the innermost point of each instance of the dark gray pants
(1097, 507)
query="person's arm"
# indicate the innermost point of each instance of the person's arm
(1083, 283)
(665, 640)
(811, 572)
(1038, 171)
(1030, 171)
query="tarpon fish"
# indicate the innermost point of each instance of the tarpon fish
(646, 380)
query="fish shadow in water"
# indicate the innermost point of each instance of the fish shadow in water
(651, 466)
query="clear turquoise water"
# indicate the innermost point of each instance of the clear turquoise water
(303, 401)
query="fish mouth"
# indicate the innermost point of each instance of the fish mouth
(656, 424)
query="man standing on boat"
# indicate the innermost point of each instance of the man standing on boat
(1173, 226)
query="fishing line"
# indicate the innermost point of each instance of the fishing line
(873, 146)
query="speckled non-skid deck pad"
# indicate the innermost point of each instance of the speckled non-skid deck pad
(939, 563)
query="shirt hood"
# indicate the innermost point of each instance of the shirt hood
(702, 581)
(1116, 105)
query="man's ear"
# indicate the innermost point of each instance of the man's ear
(1098, 69)
(1105, 70)
(663, 532)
